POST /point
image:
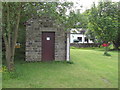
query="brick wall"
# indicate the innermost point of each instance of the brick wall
(34, 29)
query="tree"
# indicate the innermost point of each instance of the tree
(11, 20)
(116, 42)
(103, 20)
(77, 20)
(90, 34)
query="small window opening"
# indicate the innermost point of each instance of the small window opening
(86, 39)
(80, 39)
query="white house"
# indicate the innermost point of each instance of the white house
(79, 35)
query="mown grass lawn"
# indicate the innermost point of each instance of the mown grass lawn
(90, 70)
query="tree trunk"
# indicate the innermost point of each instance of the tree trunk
(10, 44)
(106, 51)
(116, 45)
(14, 40)
(10, 61)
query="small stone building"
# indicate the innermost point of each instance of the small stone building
(46, 40)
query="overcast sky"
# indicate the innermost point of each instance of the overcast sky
(85, 3)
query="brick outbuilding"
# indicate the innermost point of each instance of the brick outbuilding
(46, 40)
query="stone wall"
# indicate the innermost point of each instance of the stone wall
(34, 29)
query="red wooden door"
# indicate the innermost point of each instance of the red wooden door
(48, 45)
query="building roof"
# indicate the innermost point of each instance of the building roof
(78, 31)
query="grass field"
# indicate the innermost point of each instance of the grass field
(90, 70)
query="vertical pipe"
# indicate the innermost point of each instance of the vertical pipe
(68, 47)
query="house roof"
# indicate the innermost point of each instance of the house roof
(78, 30)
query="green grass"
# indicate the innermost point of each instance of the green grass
(90, 70)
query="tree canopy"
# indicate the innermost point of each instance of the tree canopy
(103, 21)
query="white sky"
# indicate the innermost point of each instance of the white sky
(85, 3)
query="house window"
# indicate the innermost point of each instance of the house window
(92, 40)
(86, 39)
(80, 39)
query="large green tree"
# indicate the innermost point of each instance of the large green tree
(103, 21)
